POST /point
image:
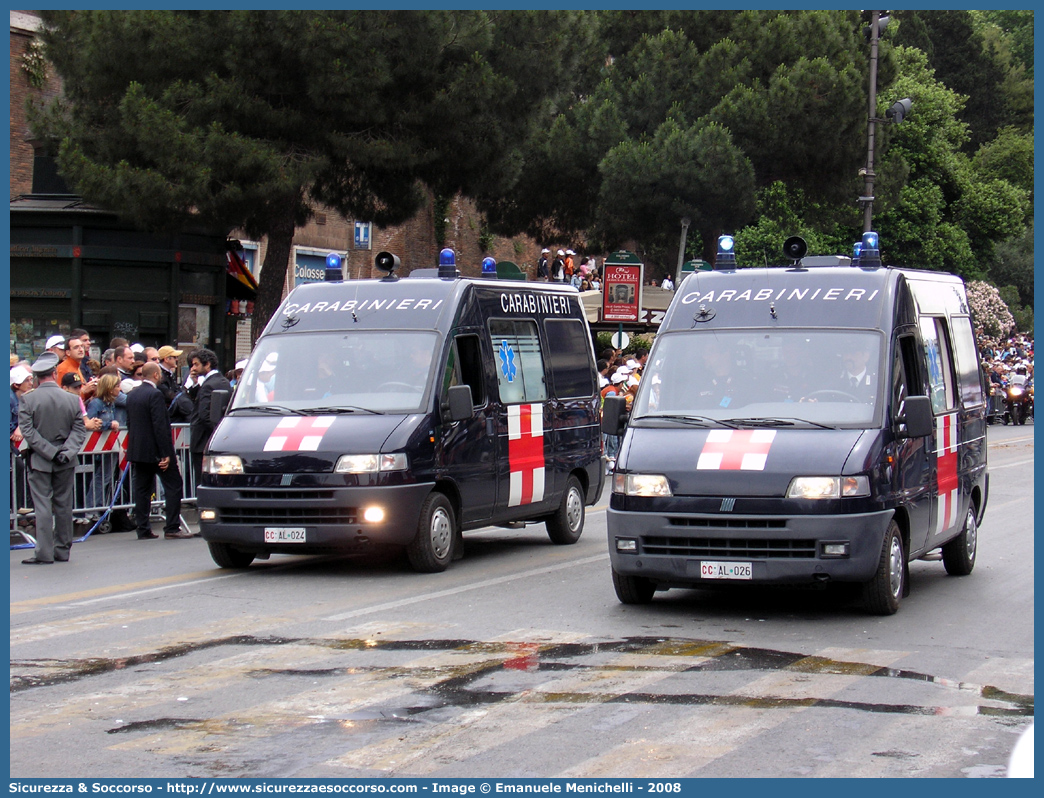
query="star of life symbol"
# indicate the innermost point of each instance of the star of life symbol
(507, 361)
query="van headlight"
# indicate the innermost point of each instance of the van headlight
(371, 463)
(222, 464)
(828, 487)
(641, 485)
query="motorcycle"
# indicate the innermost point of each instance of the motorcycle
(1017, 403)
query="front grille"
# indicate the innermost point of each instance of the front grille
(747, 548)
(730, 523)
(290, 516)
(285, 495)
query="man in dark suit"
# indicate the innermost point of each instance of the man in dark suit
(858, 379)
(51, 423)
(150, 449)
(204, 368)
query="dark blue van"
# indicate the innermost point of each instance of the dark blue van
(406, 411)
(802, 425)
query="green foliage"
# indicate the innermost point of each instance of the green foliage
(1013, 265)
(252, 118)
(486, 238)
(1008, 157)
(604, 340)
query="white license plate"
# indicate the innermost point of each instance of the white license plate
(284, 534)
(725, 570)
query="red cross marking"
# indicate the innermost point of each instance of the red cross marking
(526, 450)
(947, 458)
(298, 434)
(735, 450)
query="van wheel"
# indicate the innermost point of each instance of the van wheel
(229, 557)
(633, 589)
(881, 594)
(567, 524)
(431, 549)
(959, 553)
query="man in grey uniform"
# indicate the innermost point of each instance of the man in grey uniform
(51, 422)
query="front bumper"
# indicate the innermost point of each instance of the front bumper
(331, 516)
(781, 549)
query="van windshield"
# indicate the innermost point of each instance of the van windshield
(823, 377)
(378, 371)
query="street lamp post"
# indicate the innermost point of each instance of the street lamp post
(685, 222)
(867, 199)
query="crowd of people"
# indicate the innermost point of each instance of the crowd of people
(1006, 360)
(618, 375)
(563, 268)
(64, 395)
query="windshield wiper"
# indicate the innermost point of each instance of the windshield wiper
(777, 422)
(342, 409)
(696, 421)
(277, 410)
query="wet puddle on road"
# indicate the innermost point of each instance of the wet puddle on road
(494, 672)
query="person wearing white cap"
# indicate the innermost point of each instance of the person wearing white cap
(21, 384)
(543, 272)
(570, 265)
(264, 391)
(56, 344)
(558, 267)
(51, 423)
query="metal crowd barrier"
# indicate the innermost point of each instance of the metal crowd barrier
(103, 480)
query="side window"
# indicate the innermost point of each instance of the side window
(519, 361)
(968, 373)
(464, 367)
(572, 372)
(939, 362)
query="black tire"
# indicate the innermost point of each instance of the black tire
(882, 594)
(431, 549)
(229, 557)
(633, 589)
(959, 553)
(567, 524)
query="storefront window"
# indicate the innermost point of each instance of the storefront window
(30, 333)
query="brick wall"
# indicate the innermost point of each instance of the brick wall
(413, 241)
(23, 27)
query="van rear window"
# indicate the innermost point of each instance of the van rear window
(572, 372)
(968, 374)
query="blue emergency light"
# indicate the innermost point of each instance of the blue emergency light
(869, 254)
(489, 267)
(857, 249)
(447, 263)
(333, 267)
(726, 253)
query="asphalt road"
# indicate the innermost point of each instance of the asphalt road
(143, 659)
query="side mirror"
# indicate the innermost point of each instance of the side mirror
(218, 405)
(614, 415)
(458, 398)
(918, 419)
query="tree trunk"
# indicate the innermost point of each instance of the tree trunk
(273, 272)
(710, 246)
